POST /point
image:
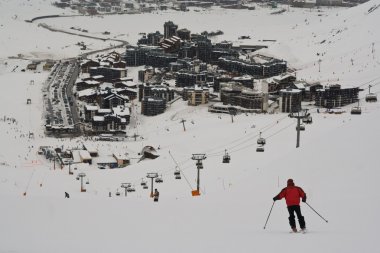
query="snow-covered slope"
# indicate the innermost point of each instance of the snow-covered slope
(336, 164)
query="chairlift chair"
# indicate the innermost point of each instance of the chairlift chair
(87, 182)
(356, 110)
(260, 148)
(177, 174)
(117, 193)
(302, 127)
(371, 97)
(226, 157)
(307, 120)
(159, 180)
(261, 140)
(145, 187)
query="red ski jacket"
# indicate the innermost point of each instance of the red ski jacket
(292, 195)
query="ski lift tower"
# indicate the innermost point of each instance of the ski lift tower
(152, 176)
(303, 114)
(81, 176)
(199, 158)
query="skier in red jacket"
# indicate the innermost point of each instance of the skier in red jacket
(292, 195)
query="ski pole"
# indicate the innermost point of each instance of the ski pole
(269, 215)
(317, 212)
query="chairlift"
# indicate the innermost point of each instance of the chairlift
(370, 97)
(159, 179)
(131, 189)
(145, 187)
(77, 178)
(307, 120)
(356, 110)
(177, 174)
(87, 182)
(117, 193)
(226, 157)
(302, 127)
(261, 140)
(143, 183)
(260, 148)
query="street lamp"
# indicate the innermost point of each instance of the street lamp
(151, 176)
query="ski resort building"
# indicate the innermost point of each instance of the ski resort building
(333, 96)
(109, 74)
(233, 93)
(157, 91)
(290, 100)
(151, 106)
(258, 66)
(196, 95)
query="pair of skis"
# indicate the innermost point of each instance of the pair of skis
(302, 231)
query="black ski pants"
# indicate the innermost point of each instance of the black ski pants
(292, 220)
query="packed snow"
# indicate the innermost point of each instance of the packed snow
(336, 163)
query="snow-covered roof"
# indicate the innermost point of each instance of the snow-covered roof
(121, 111)
(86, 92)
(91, 107)
(244, 78)
(119, 156)
(105, 159)
(92, 82)
(90, 148)
(98, 118)
(290, 91)
(104, 110)
(85, 155)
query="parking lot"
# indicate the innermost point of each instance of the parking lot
(60, 106)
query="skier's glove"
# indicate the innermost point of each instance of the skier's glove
(275, 198)
(304, 199)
